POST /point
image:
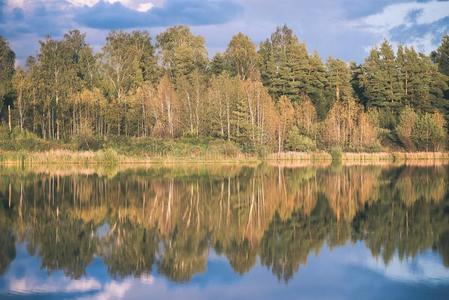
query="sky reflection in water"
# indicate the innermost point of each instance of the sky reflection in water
(354, 253)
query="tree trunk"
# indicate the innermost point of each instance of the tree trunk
(9, 118)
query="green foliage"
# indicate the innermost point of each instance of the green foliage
(298, 142)
(424, 131)
(223, 148)
(338, 80)
(429, 133)
(390, 81)
(218, 64)
(141, 98)
(87, 142)
(7, 61)
(441, 56)
(406, 125)
(387, 118)
(26, 141)
(337, 154)
(285, 66)
(108, 156)
(241, 56)
(181, 51)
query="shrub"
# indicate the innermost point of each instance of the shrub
(224, 148)
(262, 151)
(19, 140)
(299, 142)
(386, 118)
(429, 133)
(405, 127)
(421, 131)
(109, 156)
(87, 143)
(336, 154)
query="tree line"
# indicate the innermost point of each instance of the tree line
(273, 97)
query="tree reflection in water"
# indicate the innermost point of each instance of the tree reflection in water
(167, 219)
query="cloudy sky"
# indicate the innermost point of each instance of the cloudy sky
(342, 28)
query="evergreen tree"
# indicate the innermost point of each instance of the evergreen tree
(356, 82)
(380, 78)
(371, 80)
(317, 85)
(338, 80)
(7, 61)
(441, 56)
(240, 122)
(218, 64)
(389, 71)
(285, 66)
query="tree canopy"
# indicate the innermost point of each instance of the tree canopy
(169, 88)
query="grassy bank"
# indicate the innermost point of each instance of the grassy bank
(25, 148)
(112, 157)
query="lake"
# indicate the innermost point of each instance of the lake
(225, 232)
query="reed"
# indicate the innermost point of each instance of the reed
(299, 156)
(112, 157)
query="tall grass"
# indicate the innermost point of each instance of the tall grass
(25, 148)
(299, 156)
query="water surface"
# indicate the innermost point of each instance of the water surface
(225, 232)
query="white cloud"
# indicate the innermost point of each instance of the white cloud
(89, 3)
(421, 269)
(139, 5)
(112, 290)
(29, 285)
(16, 3)
(146, 279)
(424, 43)
(83, 285)
(56, 284)
(397, 14)
(406, 23)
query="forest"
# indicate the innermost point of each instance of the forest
(274, 97)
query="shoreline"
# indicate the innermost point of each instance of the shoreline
(108, 157)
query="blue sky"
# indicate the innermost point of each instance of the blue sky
(341, 28)
(422, 277)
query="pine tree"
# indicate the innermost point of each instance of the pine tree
(240, 120)
(317, 83)
(380, 78)
(285, 66)
(7, 61)
(298, 66)
(389, 73)
(356, 82)
(441, 56)
(371, 80)
(218, 64)
(338, 80)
